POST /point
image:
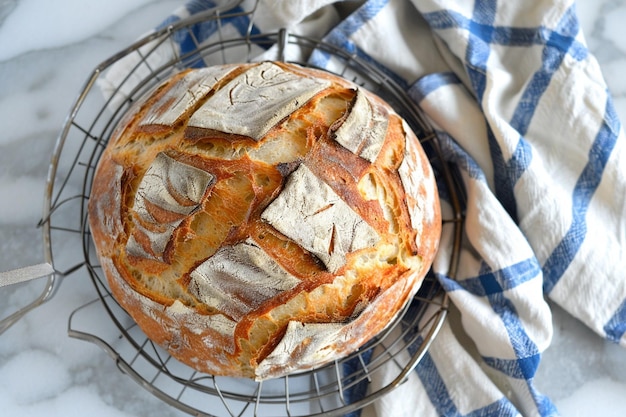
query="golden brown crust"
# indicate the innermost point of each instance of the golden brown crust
(215, 246)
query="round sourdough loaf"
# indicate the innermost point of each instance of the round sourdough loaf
(262, 219)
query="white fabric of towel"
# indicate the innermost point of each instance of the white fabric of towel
(521, 109)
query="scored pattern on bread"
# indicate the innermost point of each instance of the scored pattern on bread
(238, 279)
(260, 219)
(319, 337)
(168, 193)
(261, 96)
(313, 215)
(184, 95)
(363, 130)
(306, 345)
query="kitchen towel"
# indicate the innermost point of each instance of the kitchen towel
(521, 109)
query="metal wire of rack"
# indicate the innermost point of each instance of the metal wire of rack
(338, 388)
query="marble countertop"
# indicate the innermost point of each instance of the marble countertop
(47, 49)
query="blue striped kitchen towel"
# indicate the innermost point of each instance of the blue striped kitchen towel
(521, 108)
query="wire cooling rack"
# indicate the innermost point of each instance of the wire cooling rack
(338, 388)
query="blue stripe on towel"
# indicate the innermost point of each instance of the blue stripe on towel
(616, 326)
(492, 282)
(523, 368)
(476, 57)
(431, 82)
(440, 396)
(587, 183)
(502, 181)
(520, 160)
(356, 391)
(190, 38)
(340, 35)
(454, 152)
(506, 35)
(558, 44)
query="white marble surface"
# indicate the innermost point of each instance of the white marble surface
(46, 51)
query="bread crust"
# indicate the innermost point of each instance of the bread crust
(271, 244)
